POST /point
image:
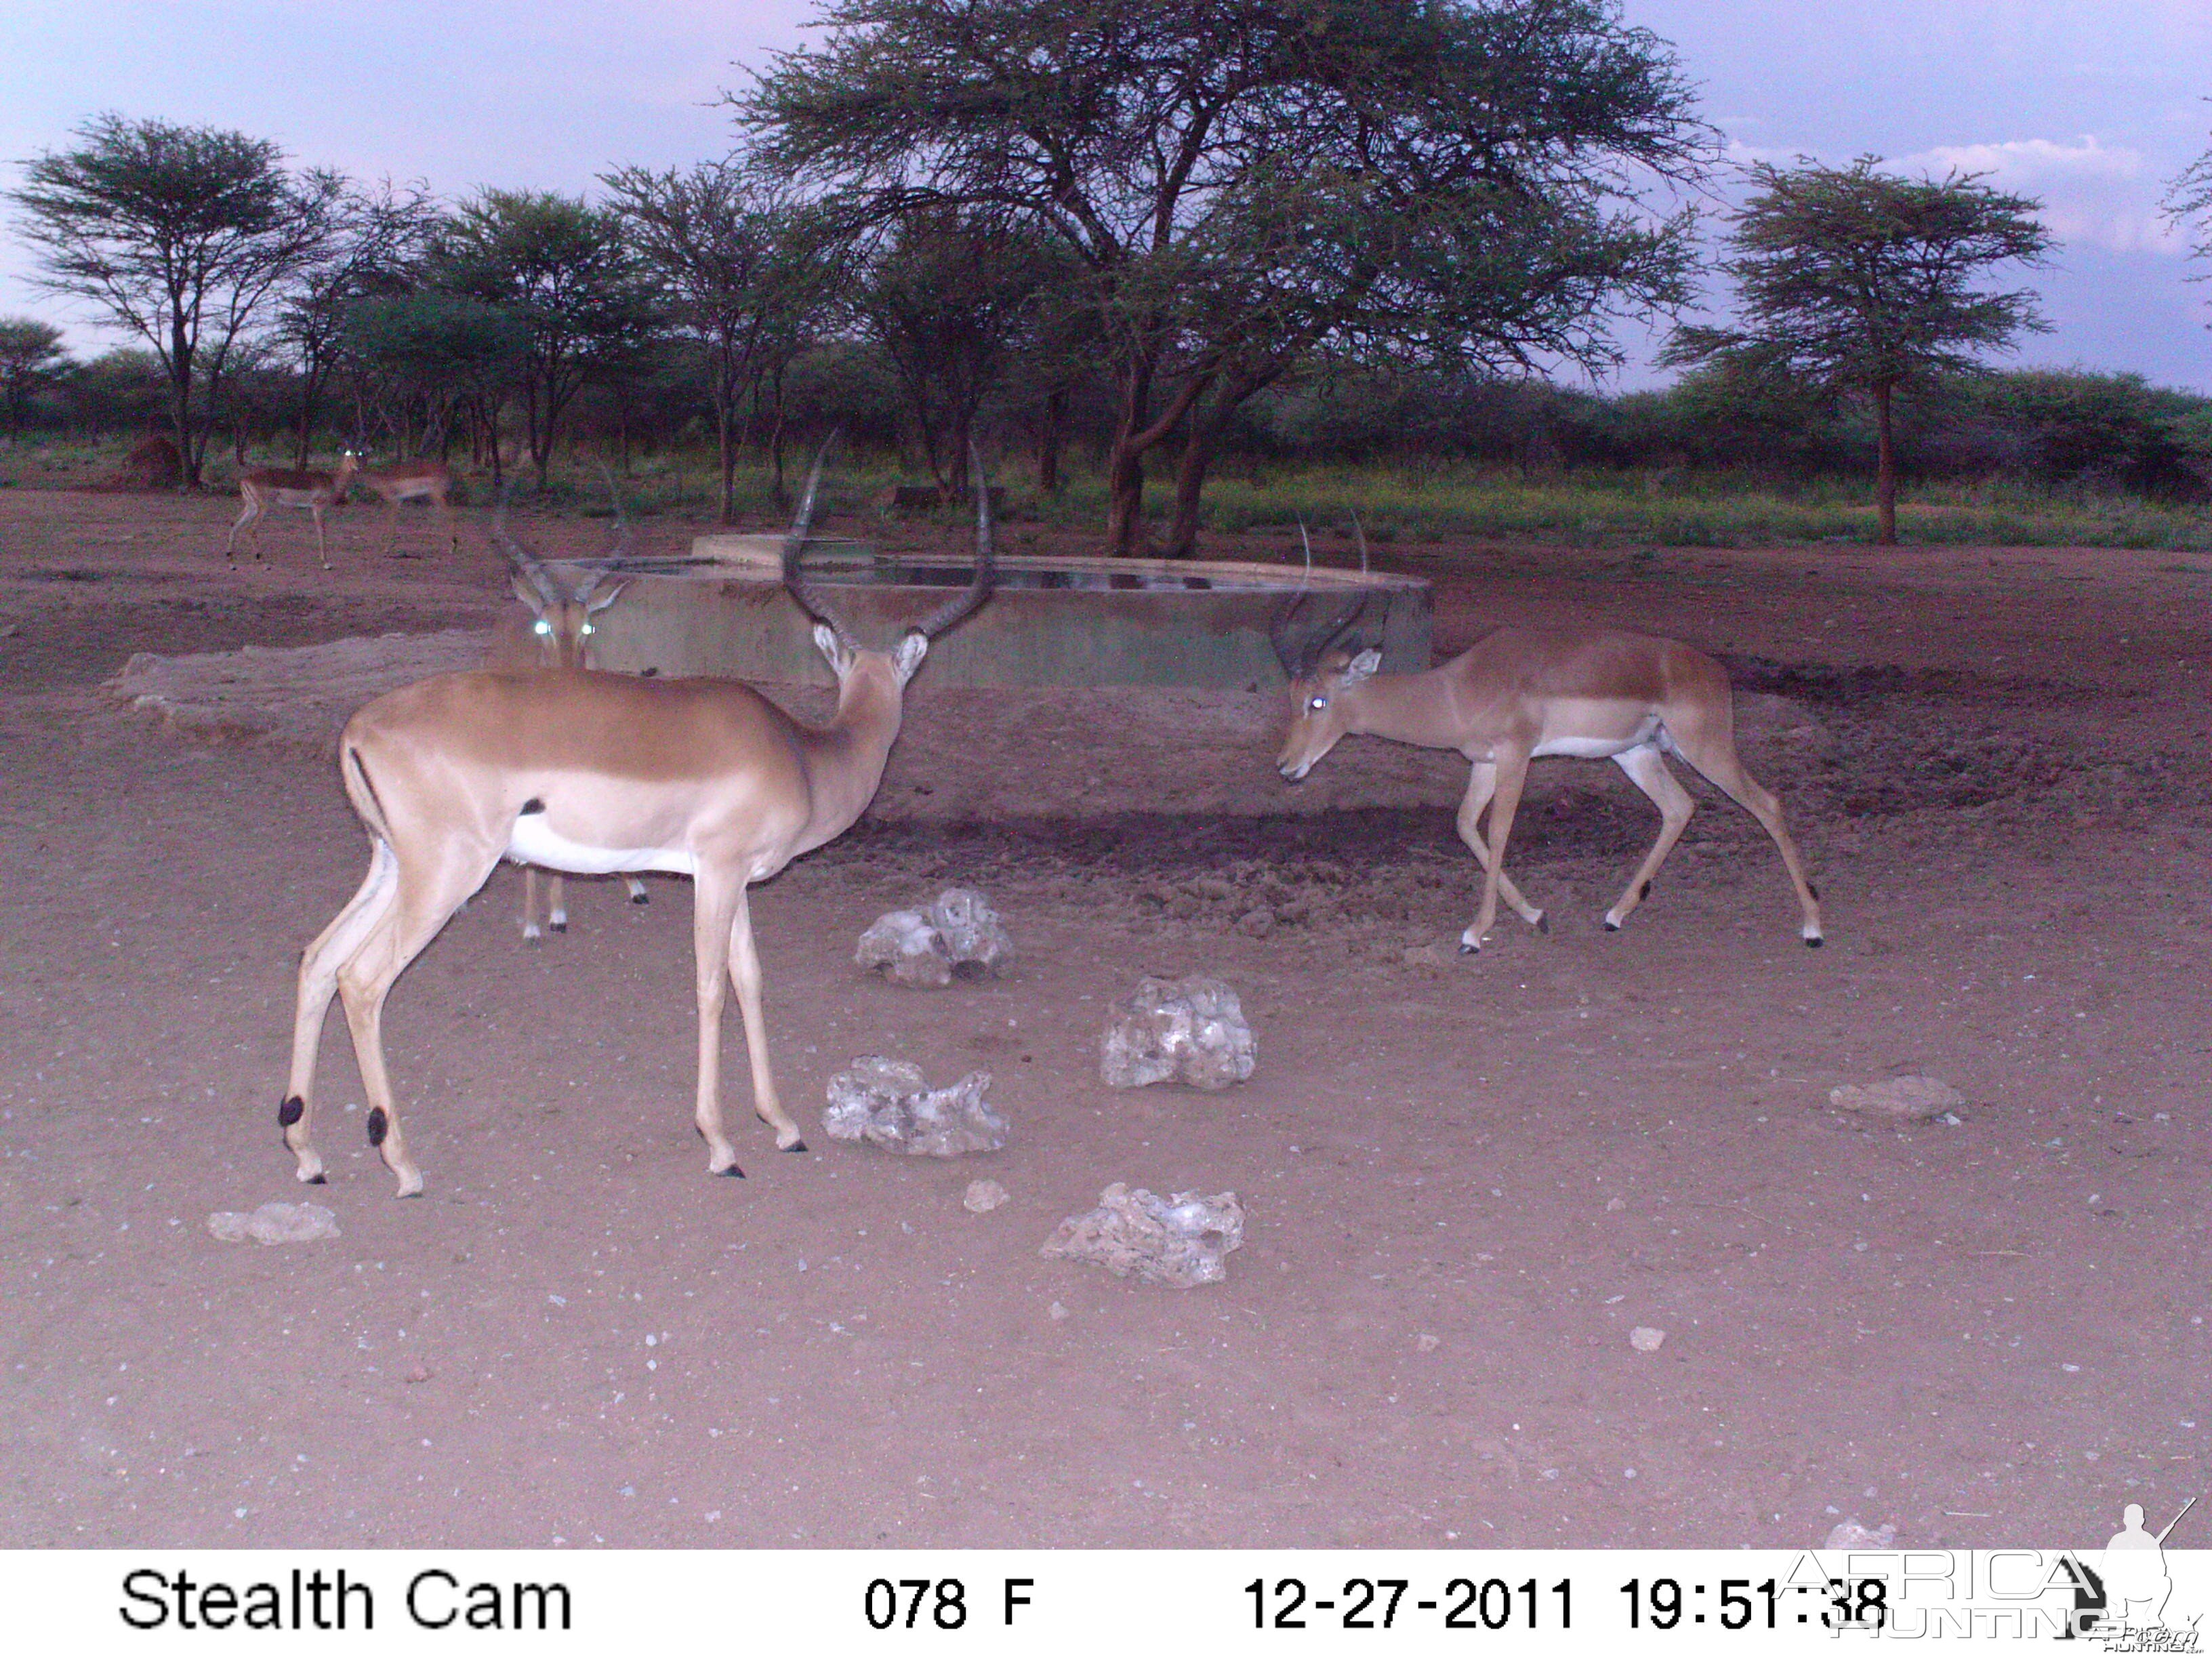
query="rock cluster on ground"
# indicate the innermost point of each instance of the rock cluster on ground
(889, 1103)
(960, 934)
(1180, 1240)
(274, 1224)
(1902, 1099)
(1190, 1029)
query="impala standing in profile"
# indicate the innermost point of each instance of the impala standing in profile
(1522, 694)
(413, 481)
(594, 774)
(312, 492)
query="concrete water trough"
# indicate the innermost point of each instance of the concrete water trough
(1053, 620)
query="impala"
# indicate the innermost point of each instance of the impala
(413, 481)
(560, 637)
(594, 774)
(1523, 694)
(267, 487)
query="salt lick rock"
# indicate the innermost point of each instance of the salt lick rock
(889, 1104)
(1193, 1029)
(1181, 1241)
(960, 934)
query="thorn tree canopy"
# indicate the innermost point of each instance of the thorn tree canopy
(1857, 281)
(180, 235)
(1252, 183)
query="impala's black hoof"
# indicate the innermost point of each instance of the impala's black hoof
(795, 1147)
(1467, 950)
(640, 898)
(318, 1181)
(734, 1172)
(1543, 922)
(1612, 926)
(557, 927)
(1814, 943)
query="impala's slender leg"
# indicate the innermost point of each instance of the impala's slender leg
(1479, 788)
(1512, 770)
(637, 893)
(1647, 770)
(715, 902)
(1713, 753)
(556, 902)
(319, 979)
(530, 935)
(322, 548)
(248, 515)
(745, 975)
(432, 883)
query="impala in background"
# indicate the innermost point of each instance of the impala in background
(310, 492)
(413, 481)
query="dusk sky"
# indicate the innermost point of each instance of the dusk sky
(2090, 105)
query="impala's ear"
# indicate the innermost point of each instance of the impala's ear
(529, 595)
(907, 655)
(602, 600)
(833, 648)
(1361, 667)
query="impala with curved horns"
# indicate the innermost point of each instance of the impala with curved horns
(561, 635)
(594, 773)
(1523, 694)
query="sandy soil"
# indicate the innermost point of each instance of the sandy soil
(1467, 1179)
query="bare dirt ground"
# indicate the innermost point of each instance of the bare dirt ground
(1466, 1181)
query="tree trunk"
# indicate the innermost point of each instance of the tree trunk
(1885, 471)
(726, 450)
(775, 442)
(1198, 451)
(1047, 449)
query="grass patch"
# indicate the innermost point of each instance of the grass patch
(1450, 502)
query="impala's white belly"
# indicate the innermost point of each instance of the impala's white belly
(1592, 729)
(533, 843)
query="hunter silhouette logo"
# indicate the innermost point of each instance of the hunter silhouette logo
(2131, 1587)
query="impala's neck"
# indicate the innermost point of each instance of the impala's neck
(1416, 708)
(845, 759)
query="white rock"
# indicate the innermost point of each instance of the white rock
(1901, 1099)
(274, 1224)
(983, 1197)
(889, 1103)
(1645, 1339)
(960, 934)
(1850, 1535)
(971, 931)
(1180, 1240)
(904, 946)
(1194, 1028)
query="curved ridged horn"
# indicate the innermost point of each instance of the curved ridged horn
(979, 590)
(597, 577)
(527, 565)
(795, 577)
(1299, 658)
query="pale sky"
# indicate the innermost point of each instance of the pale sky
(2091, 105)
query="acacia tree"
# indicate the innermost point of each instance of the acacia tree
(1858, 281)
(180, 235)
(949, 297)
(30, 355)
(563, 270)
(445, 356)
(739, 269)
(379, 237)
(1248, 181)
